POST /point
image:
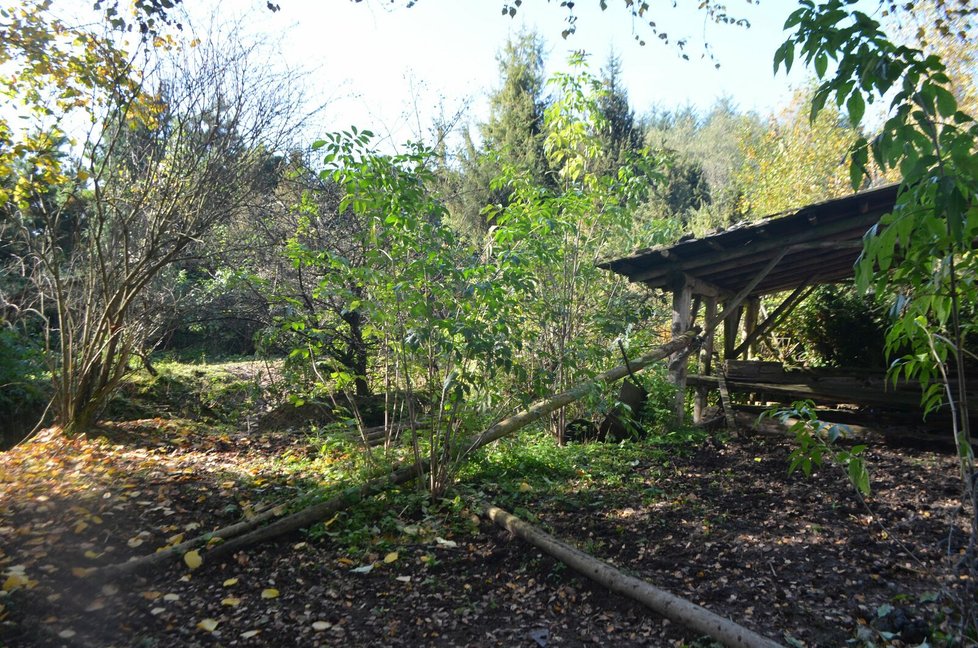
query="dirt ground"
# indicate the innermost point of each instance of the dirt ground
(801, 560)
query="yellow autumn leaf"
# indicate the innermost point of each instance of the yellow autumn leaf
(92, 555)
(81, 526)
(269, 593)
(150, 595)
(391, 557)
(248, 634)
(231, 601)
(134, 542)
(193, 559)
(208, 625)
(525, 488)
(14, 581)
(82, 572)
(231, 581)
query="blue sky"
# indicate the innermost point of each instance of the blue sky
(393, 70)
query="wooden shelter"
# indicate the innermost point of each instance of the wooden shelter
(730, 270)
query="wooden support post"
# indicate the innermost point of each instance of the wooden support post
(730, 327)
(706, 362)
(752, 307)
(682, 316)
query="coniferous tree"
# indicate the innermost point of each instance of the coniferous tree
(620, 135)
(512, 136)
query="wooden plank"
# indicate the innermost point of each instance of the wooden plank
(752, 370)
(820, 393)
(728, 410)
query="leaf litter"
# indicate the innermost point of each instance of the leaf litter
(801, 560)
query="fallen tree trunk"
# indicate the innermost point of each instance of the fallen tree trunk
(248, 533)
(672, 607)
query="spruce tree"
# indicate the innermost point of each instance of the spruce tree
(512, 136)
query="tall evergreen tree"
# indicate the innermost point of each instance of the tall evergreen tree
(512, 136)
(619, 135)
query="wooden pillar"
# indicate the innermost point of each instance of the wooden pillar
(752, 309)
(682, 317)
(706, 362)
(730, 326)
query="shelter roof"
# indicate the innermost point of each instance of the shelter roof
(821, 243)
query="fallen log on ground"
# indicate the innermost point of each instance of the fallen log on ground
(247, 533)
(672, 607)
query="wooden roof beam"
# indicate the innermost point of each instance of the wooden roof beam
(733, 257)
(821, 255)
(704, 288)
(817, 272)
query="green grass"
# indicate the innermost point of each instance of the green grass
(209, 391)
(533, 459)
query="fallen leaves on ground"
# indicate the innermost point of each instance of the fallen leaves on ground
(777, 553)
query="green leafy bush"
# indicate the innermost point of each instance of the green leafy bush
(837, 327)
(22, 384)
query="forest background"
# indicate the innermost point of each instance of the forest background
(306, 254)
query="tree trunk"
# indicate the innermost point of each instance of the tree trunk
(359, 358)
(672, 607)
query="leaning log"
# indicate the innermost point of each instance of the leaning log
(676, 609)
(244, 534)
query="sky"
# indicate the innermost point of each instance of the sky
(395, 70)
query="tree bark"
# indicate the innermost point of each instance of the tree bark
(672, 607)
(247, 533)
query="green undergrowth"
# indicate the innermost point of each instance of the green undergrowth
(525, 474)
(531, 467)
(217, 392)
